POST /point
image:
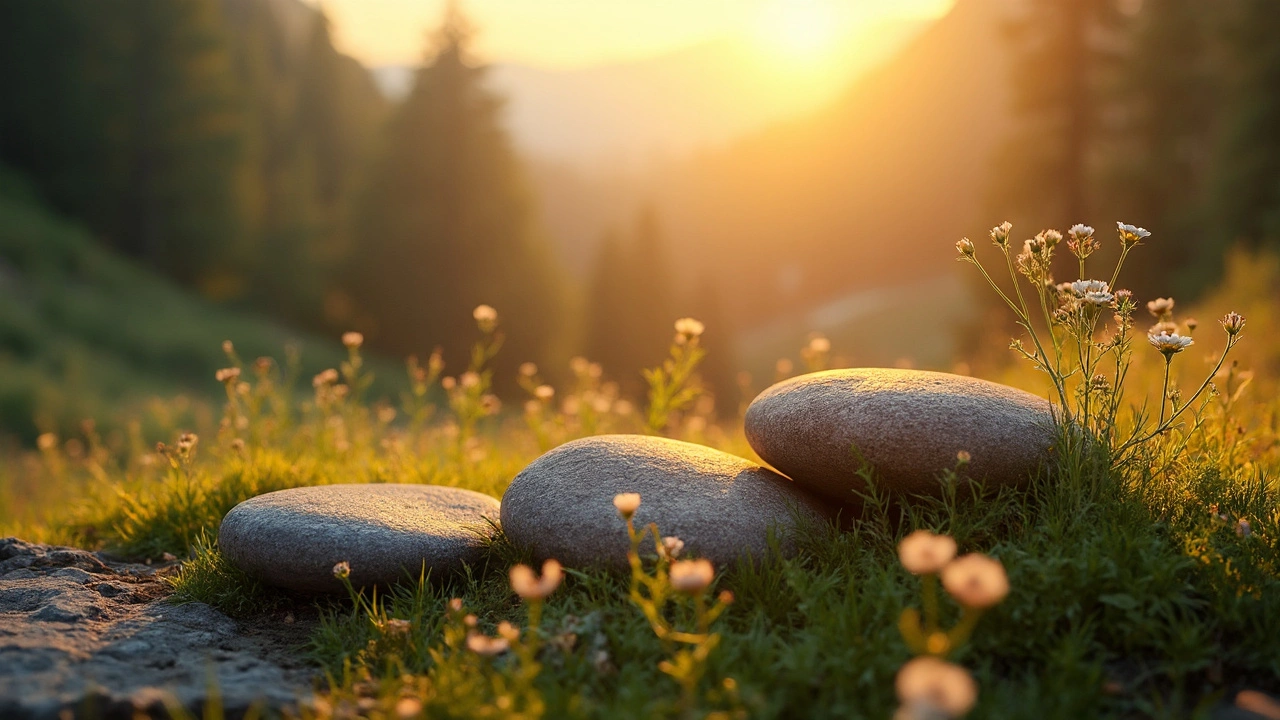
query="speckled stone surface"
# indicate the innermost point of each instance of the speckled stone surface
(720, 505)
(907, 424)
(292, 538)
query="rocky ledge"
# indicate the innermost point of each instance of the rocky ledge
(84, 636)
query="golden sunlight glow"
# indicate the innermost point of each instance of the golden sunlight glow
(798, 30)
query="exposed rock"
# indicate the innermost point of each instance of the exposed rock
(721, 506)
(82, 635)
(906, 425)
(387, 533)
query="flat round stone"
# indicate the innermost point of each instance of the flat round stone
(907, 426)
(720, 505)
(387, 533)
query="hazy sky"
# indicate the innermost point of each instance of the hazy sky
(569, 33)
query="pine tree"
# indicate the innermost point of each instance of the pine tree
(608, 339)
(123, 114)
(1046, 168)
(447, 222)
(630, 313)
(1159, 155)
(1246, 196)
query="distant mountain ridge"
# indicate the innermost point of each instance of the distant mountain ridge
(870, 192)
(641, 113)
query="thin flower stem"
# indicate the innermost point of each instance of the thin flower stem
(1164, 391)
(1164, 425)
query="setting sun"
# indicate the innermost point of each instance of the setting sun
(800, 30)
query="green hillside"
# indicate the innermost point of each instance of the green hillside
(86, 334)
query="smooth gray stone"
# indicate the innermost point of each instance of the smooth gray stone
(720, 505)
(387, 533)
(907, 425)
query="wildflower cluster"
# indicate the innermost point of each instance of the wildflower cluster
(928, 685)
(1087, 365)
(673, 581)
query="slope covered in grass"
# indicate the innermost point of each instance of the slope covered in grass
(87, 334)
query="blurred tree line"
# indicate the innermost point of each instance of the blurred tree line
(1162, 113)
(229, 146)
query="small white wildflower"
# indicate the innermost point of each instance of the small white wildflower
(469, 379)
(928, 687)
(1243, 528)
(692, 576)
(1050, 238)
(627, 504)
(688, 329)
(1080, 231)
(923, 553)
(342, 570)
(327, 377)
(1170, 344)
(965, 246)
(1131, 235)
(1163, 328)
(819, 345)
(486, 319)
(544, 392)
(530, 587)
(485, 315)
(1099, 299)
(352, 340)
(227, 375)
(976, 581)
(1080, 288)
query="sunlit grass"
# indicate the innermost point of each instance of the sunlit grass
(1137, 589)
